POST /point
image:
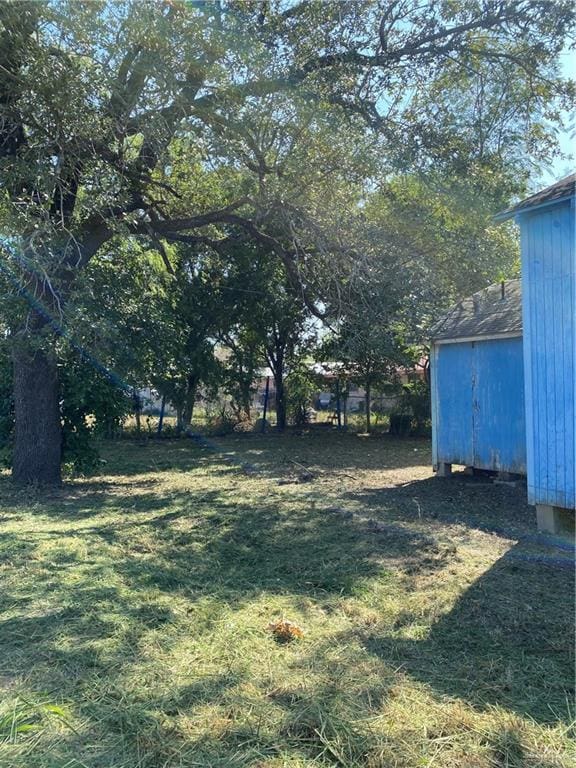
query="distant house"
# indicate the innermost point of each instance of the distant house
(499, 373)
(477, 383)
(333, 374)
(354, 393)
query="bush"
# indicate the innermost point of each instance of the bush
(244, 425)
(300, 389)
(400, 424)
(92, 406)
(413, 409)
(221, 423)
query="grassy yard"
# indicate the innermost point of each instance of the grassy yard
(135, 606)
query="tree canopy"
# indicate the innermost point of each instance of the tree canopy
(313, 131)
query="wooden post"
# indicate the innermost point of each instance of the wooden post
(137, 409)
(338, 409)
(266, 393)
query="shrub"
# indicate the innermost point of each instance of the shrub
(300, 389)
(222, 422)
(92, 406)
(412, 414)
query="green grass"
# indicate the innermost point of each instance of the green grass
(134, 611)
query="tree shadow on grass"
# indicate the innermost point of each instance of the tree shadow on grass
(320, 452)
(78, 625)
(269, 455)
(205, 544)
(248, 550)
(474, 502)
(81, 619)
(508, 641)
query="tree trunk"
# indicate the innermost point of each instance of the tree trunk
(246, 404)
(179, 419)
(188, 410)
(138, 419)
(368, 422)
(38, 428)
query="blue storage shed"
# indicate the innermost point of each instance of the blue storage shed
(548, 236)
(477, 383)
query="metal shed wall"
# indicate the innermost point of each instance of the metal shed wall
(549, 316)
(478, 415)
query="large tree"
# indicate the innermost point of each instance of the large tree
(267, 324)
(96, 99)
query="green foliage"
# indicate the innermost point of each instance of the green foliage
(149, 152)
(244, 357)
(268, 324)
(162, 332)
(92, 407)
(440, 238)
(26, 717)
(414, 402)
(301, 384)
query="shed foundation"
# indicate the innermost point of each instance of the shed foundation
(555, 520)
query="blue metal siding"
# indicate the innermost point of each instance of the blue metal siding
(452, 420)
(499, 418)
(549, 312)
(478, 404)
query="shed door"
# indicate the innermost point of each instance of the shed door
(498, 405)
(479, 395)
(454, 379)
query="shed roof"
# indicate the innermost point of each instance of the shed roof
(561, 190)
(484, 314)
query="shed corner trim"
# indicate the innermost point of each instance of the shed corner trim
(466, 339)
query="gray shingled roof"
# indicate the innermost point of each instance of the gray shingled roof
(561, 190)
(485, 313)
